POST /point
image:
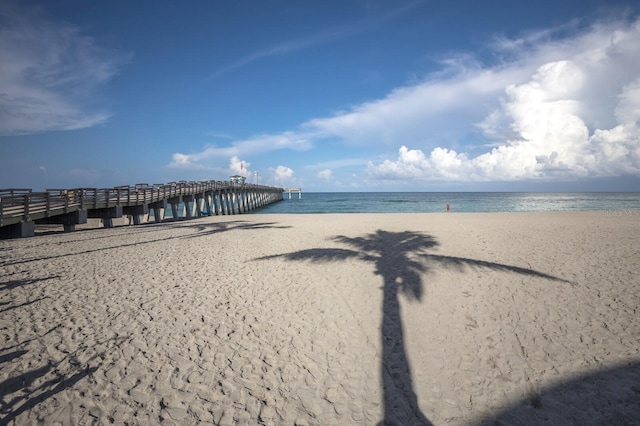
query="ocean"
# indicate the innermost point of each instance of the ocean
(415, 202)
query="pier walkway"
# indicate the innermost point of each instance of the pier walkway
(22, 209)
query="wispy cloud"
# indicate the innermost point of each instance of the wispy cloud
(328, 36)
(336, 164)
(285, 47)
(50, 73)
(260, 144)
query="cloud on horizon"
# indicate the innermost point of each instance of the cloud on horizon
(50, 73)
(552, 107)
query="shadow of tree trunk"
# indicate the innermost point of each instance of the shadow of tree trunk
(400, 400)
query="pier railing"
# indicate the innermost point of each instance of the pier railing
(24, 205)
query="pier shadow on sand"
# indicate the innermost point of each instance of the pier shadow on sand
(401, 259)
(197, 230)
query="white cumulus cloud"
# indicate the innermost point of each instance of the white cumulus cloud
(283, 172)
(239, 167)
(326, 174)
(552, 123)
(282, 175)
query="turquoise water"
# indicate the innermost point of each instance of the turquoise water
(415, 202)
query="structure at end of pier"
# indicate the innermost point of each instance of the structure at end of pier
(294, 190)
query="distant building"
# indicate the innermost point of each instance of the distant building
(237, 179)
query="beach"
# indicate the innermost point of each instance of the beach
(326, 319)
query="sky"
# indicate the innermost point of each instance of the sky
(328, 96)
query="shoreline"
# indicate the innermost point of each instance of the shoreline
(334, 318)
(125, 221)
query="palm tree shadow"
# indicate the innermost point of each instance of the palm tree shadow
(401, 259)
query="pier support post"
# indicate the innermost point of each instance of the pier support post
(208, 198)
(215, 200)
(137, 219)
(18, 230)
(234, 201)
(224, 198)
(158, 214)
(107, 215)
(189, 202)
(175, 214)
(158, 210)
(175, 203)
(197, 205)
(67, 220)
(136, 213)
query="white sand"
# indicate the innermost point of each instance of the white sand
(270, 319)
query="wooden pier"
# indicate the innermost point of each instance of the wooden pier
(22, 209)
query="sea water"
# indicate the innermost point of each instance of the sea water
(424, 202)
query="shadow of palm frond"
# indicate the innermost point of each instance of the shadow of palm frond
(204, 229)
(31, 387)
(402, 259)
(11, 355)
(462, 263)
(11, 284)
(319, 255)
(22, 304)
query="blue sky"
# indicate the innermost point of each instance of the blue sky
(350, 95)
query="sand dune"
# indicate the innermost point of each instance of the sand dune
(325, 320)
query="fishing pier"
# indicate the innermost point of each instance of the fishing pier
(22, 209)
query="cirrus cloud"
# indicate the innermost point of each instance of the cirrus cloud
(50, 73)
